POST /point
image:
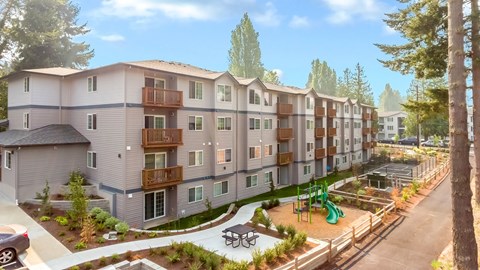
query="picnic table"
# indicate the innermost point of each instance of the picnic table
(240, 234)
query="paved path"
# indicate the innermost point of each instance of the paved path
(412, 242)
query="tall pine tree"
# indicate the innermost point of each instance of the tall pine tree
(361, 90)
(322, 78)
(390, 100)
(245, 55)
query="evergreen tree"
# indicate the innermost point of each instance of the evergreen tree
(44, 35)
(245, 54)
(345, 84)
(361, 87)
(322, 78)
(390, 100)
(271, 77)
(8, 9)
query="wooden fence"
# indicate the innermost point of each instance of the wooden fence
(319, 255)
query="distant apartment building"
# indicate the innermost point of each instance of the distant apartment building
(470, 123)
(390, 124)
(159, 138)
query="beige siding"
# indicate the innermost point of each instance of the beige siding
(8, 180)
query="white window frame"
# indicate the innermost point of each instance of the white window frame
(8, 160)
(197, 155)
(268, 123)
(253, 97)
(251, 178)
(221, 188)
(195, 117)
(254, 152)
(267, 150)
(155, 154)
(26, 85)
(154, 205)
(224, 155)
(310, 147)
(91, 121)
(307, 169)
(197, 90)
(345, 159)
(195, 190)
(310, 124)
(222, 93)
(91, 159)
(265, 178)
(92, 82)
(267, 99)
(257, 124)
(309, 104)
(225, 118)
(26, 120)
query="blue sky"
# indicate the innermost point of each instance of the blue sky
(291, 33)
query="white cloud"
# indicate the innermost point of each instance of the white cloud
(113, 38)
(346, 10)
(298, 22)
(269, 17)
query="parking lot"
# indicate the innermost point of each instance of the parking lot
(13, 265)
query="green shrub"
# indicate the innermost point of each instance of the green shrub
(100, 227)
(173, 258)
(270, 255)
(415, 186)
(196, 265)
(102, 261)
(87, 266)
(95, 211)
(280, 229)
(279, 249)
(291, 231)
(115, 257)
(361, 192)
(337, 199)
(267, 222)
(300, 239)
(137, 234)
(44, 218)
(288, 245)
(111, 222)
(100, 240)
(357, 184)
(80, 245)
(102, 216)
(63, 221)
(257, 258)
(152, 234)
(213, 262)
(122, 227)
(276, 202)
(76, 267)
(265, 205)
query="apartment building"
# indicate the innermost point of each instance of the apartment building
(471, 136)
(160, 138)
(390, 124)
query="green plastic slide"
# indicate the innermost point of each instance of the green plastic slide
(333, 213)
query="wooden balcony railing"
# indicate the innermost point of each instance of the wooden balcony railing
(332, 132)
(365, 131)
(162, 97)
(365, 116)
(161, 137)
(366, 145)
(284, 134)
(319, 133)
(332, 150)
(375, 116)
(284, 109)
(319, 153)
(284, 158)
(159, 178)
(374, 130)
(319, 111)
(374, 144)
(331, 113)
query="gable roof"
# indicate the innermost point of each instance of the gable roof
(47, 135)
(177, 68)
(390, 113)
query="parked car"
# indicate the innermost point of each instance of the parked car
(430, 143)
(408, 141)
(13, 240)
(387, 140)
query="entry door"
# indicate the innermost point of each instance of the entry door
(155, 121)
(156, 160)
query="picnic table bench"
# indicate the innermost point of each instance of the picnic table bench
(245, 235)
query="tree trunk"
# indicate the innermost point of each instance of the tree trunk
(476, 95)
(464, 244)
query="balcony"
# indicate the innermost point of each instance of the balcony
(161, 137)
(365, 116)
(331, 113)
(162, 98)
(284, 158)
(365, 131)
(160, 178)
(374, 144)
(319, 153)
(332, 132)
(284, 109)
(319, 111)
(366, 145)
(332, 150)
(319, 133)
(284, 134)
(375, 116)
(374, 130)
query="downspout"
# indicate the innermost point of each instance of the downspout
(17, 165)
(236, 147)
(124, 144)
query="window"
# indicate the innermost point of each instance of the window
(347, 141)
(267, 98)
(309, 146)
(220, 188)
(155, 83)
(307, 169)
(268, 177)
(195, 123)
(154, 121)
(268, 150)
(154, 204)
(389, 119)
(91, 121)
(253, 97)
(224, 93)
(309, 103)
(346, 124)
(92, 84)
(195, 90)
(337, 161)
(360, 156)
(345, 159)
(336, 142)
(336, 124)
(26, 84)
(224, 123)
(346, 108)
(353, 157)
(310, 124)
(155, 161)
(254, 152)
(195, 194)
(267, 123)
(355, 109)
(91, 159)
(26, 120)
(8, 160)
(356, 124)
(252, 181)
(195, 158)
(389, 127)
(224, 156)
(254, 123)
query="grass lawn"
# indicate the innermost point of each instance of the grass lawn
(289, 191)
